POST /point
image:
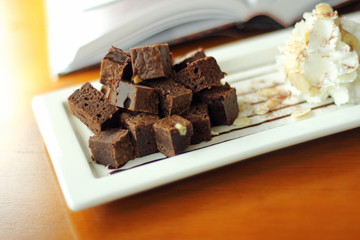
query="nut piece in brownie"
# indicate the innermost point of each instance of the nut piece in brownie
(181, 63)
(116, 64)
(93, 109)
(199, 117)
(222, 104)
(105, 90)
(172, 135)
(134, 97)
(140, 126)
(174, 97)
(200, 74)
(149, 62)
(112, 147)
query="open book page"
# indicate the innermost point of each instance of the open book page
(80, 32)
(284, 11)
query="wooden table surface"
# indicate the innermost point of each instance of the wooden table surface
(308, 191)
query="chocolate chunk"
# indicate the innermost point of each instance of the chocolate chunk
(134, 97)
(112, 147)
(200, 74)
(222, 104)
(174, 97)
(199, 117)
(172, 135)
(93, 109)
(140, 126)
(151, 62)
(116, 64)
(181, 63)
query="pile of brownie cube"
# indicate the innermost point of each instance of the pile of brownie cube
(150, 103)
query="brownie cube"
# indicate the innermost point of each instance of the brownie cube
(222, 104)
(112, 147)
(93, 109)
(182, 62)
(174, 97)
(116, 64)
(134, 97)
(140, 126)
(172, 135)
(200, 74)
(199, 117)
(149, 62)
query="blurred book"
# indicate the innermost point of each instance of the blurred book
(81, 31)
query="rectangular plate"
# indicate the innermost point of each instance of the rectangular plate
(250, 65)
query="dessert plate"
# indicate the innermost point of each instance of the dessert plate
(250, 65)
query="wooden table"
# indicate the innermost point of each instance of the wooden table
(308, 191)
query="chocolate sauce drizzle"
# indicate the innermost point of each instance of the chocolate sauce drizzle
(125, 169)
(118, 170)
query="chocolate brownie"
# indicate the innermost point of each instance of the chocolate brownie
(93, 109)
(174, 97)
(134, 97)
(112, 147)
(116, 64)
(181, 63)
(222, 104)
(200, 74)
(140, 126)
(172, 135)
(199, 117)
(149, 62)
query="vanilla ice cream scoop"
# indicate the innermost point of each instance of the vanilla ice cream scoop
(321, 57)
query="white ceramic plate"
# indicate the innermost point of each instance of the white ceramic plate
(250, 65)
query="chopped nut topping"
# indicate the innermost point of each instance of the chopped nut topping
(323, 11)
(301, 113)
(137, 79)
(242, 122)
(269, 92)
(213, 133)
(268, 105)
(349, 39)
(243, 105)
(182, 129)
(314, 91)
(297, 80)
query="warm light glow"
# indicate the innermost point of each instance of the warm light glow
(6, 83)
(23, 63)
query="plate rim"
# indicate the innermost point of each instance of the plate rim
(57, 131)
(172, 169)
